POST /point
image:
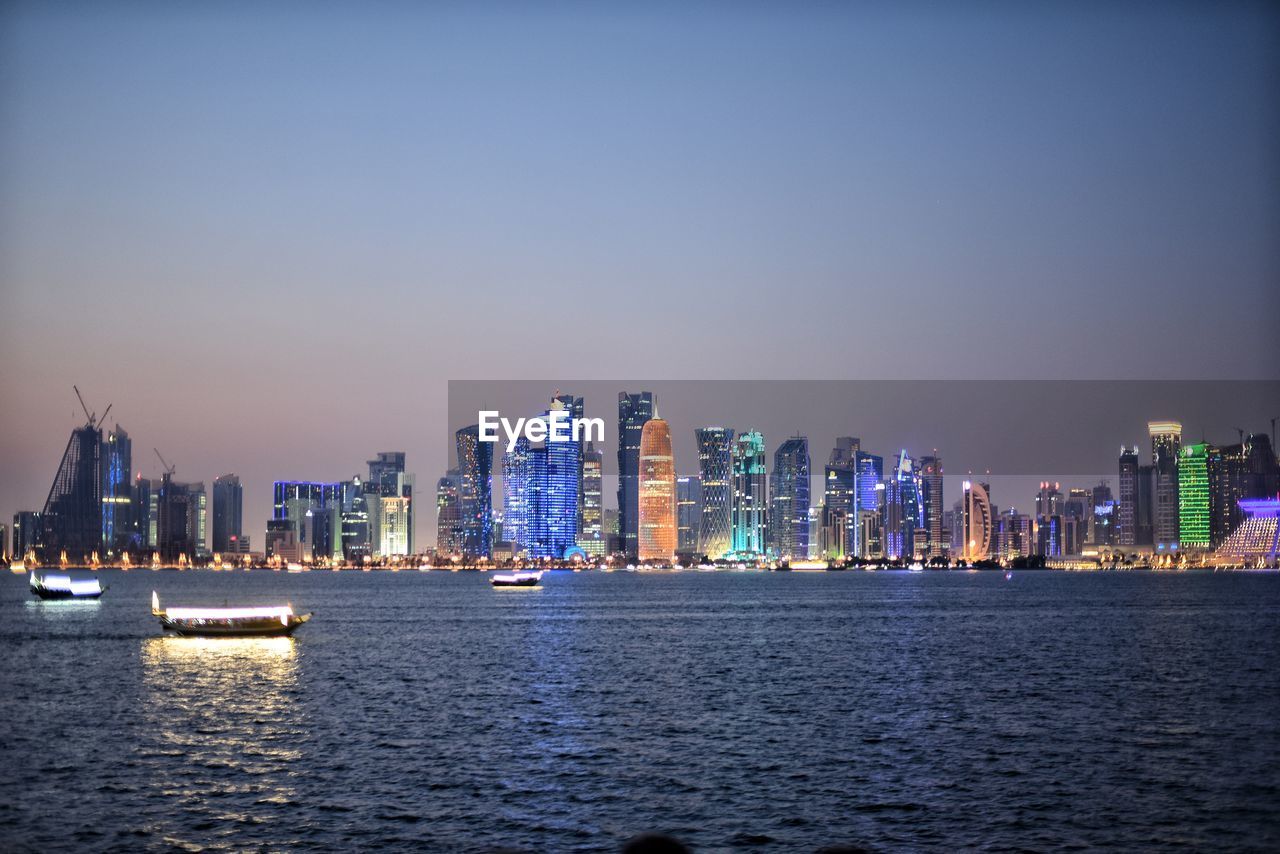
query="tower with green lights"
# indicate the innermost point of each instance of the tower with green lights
(1193, 496)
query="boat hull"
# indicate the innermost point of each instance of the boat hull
(233, 628)
(523, 582)
(45, 593)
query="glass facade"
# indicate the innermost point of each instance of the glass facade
(789, 500)
(749, 516)
(1193, 496)
(715, 473)
(117, 493)
(634, 410)
(475, 467)
(657, 533)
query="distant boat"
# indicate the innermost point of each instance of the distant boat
(916, 567)
(62, 586)
(516, 579)
(228, 622)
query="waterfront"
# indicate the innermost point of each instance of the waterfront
(786, 710)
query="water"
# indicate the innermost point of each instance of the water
(784, 711)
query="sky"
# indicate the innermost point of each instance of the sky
(270, 234)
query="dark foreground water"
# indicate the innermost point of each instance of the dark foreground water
(782, 711)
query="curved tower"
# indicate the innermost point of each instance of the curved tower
(657, 493)
(977, 522)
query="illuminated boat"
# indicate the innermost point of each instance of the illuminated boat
(516, 579)
(228, 622)
(62, 586)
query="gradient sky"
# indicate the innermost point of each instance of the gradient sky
(270, 233)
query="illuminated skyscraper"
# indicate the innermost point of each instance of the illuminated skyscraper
(634, 410)
(117, 492)
(749, 517)
(475, 467)
(902, 514)
(449, 534)
(552, 494)
(515, 495)
(1194, 465)
(591, 536)
(976, 521)
(688, 515)
(228, 512)
(657, 537)
(27, 530)
(1166, 446)
(932, 507)
(840, 499)
(391, 522)
(715, 467)
(789, 500)
(181, 510)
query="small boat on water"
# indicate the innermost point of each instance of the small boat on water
(516, 579)
(62, 586)
(228, 622)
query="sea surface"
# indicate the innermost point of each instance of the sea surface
(763, 711)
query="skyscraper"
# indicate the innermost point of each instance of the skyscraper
(181, 510)
(390, 519)
(715, 473)
(228, 512)
(117, 492)
(840, 499)
(449, 534)
(552, 494)
(976, 521)
(932, 507)
(688, 515)
(789, 500)
(749, 516)
(1166, 446)
(27, 530)
(657, 493)
(475, 466)
(515, 495)
(1194, 515)
(591, 535)
(72, 514)
(633, 411)
(902, 514)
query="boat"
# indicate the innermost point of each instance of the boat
(228, 622)
(516, 579)
(63, 586)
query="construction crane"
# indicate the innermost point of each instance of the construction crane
(168, 469)
(1240, 430)
(91, 418)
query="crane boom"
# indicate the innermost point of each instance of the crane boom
(80, 398)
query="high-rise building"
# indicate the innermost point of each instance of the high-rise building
(573, 407)
(657, 494)
(4, 542)
(449, 535)
(902, 510)
(181, 510)
(634, 410)
(27, 530)
(72, 515)
(551, 494)
(932, 507)
(117, 492)
(749, 516)
(389, 480)
(591, 535)
(715, 473)
(841, 527)
(789, 500)
(1013, 536)
(1238, 473)
(688, 515)
(515, 494)
(357, 538)
(1166, 447)
(1126, 533)
(976, 521)
(475, 467)
(228, 512)
(1194, 465)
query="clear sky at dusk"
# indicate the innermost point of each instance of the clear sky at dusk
(270, 234)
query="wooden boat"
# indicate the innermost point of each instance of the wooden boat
(228, 622)
(62, 586)
(516, 579)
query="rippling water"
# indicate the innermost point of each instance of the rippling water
(786, 711)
